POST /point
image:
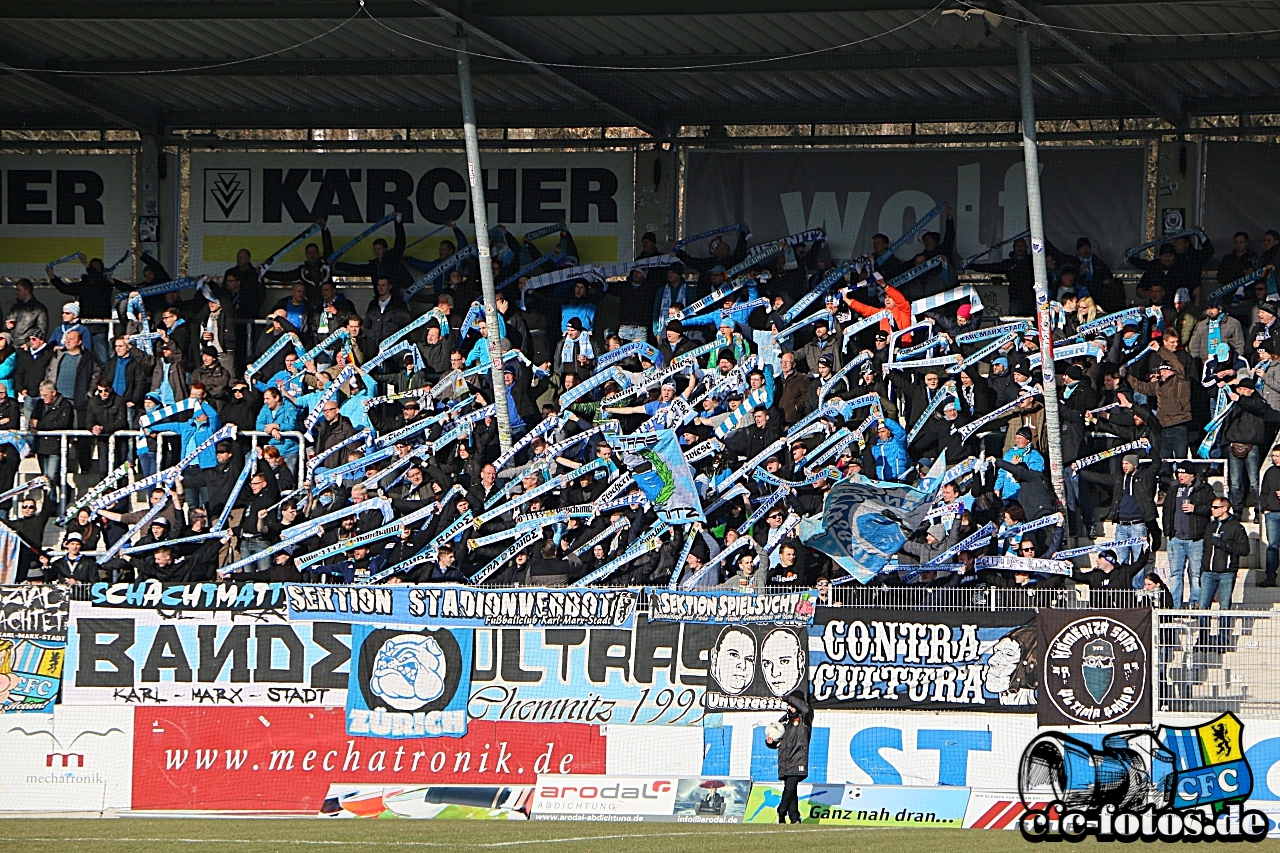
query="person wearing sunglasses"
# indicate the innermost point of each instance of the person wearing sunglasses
(1225, 542)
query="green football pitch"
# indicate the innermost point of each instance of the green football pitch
(361, 836)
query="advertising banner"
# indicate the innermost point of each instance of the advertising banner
(429, 802)
(286, 759)
(257, 201)
(1099, 193)
(33, 643)
(754, 666)
(1096, 667)
(856, 805)
(953, 661)
(444, 606)
(78, 759)
(55, 205)
(638, 798)
(651, 674)
(139, 658)
(407, 684)
(731, 608)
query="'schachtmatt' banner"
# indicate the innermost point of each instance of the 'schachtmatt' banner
(935, 661)
(257, 201)
(1099, 193)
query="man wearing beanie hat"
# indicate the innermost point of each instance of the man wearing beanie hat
(71, 322)
(1133, 505)
(1021, 453)
(1110, 572)
(936, 542)
(1186, 512)
(1218, 327)
(648, 246)
(674, 342)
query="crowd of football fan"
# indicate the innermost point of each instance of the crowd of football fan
(1162, 377)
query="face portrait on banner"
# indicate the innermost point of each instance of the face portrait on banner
(782, 661)
(733, 660)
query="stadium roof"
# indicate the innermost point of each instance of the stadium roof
(156, 66)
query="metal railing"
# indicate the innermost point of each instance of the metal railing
(1211, 661)
(67, 436)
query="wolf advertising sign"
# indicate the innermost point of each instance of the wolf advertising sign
(258, 201)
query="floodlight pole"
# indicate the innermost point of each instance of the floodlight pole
(480, 212)
(1035, 220)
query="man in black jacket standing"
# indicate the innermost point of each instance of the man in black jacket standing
(1269, 505)
(1186, 512)
(1225, 542)
(793, 754)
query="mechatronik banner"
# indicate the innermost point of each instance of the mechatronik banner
(754, 666)
(934, 661)
(54, 205)
(464, 606)
(651, 674)
(33, 640)
(140, 658)
(180, 597)
(731, 608)
(1096, 667)
(258, 201)
(1098, 192)
(286, 759)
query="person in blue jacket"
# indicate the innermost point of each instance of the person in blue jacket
(890, 452)
(276, 417)
(203, 424)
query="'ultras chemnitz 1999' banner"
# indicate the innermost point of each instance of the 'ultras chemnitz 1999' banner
(935, 661)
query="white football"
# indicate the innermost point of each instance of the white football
(774, 731)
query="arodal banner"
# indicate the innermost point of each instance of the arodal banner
(1095, 192)
(257, 201)
(953, 661)
(285, 759)
(57, 204)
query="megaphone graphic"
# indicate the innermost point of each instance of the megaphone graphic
(1131, 771)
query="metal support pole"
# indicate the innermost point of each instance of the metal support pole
(480, 212)
(1035, 221)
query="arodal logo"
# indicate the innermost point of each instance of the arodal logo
(226, 195)
(645, 791)
(406, 671)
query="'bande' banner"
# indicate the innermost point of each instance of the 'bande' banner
(441, 605)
